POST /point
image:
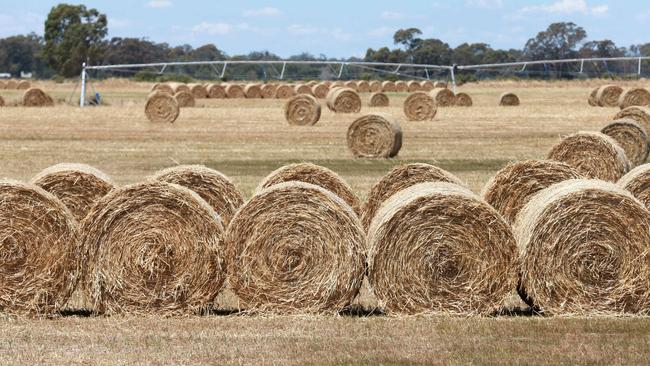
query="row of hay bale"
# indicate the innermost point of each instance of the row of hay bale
(15, 84)
(422, 106)
(32, 97)
(616, 96)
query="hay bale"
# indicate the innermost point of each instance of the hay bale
(631, 137)
(640, 115)
(584, 250)
(216, 91)
(375, 135)
(441, 85)
(295, 248)
(634, 97)
(593, 97)
(177, 87)
(379, 100)
(2, 85)
(637, 182)
(592, 154)
(184, 99)
(35, 97)
(343, 100)
(509, 100)
(39, 252)
(161, 108)
(235, 91)
(443, 97)
(363, 87)
(351, 85)
(11, 85)
(608, 95)
(420, 106)
(375, 86)
(513, 186)
(338, 84)
(463, 100)
(284, 91)
(303, 89)
(198, 91)
(23, 85)
(212, 186)
(316, 175)
(320, 90)
(437, 247)
(2, 101)
(302, 110)
(414, 86)
(152, 248)
(253, 91)
(268, 91)
(78, 186)
(388, 87)
(398, 179)
(427, 85)
(165, 88)
(401, 86)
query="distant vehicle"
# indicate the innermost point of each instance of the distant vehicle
(5, 75)
(25, 75)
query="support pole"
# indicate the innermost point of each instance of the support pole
(427, 72)
(341, 71)
(223, 71)
(82, 99)
(582, 65)
(639, 70)
(453, 78)
(284, 66)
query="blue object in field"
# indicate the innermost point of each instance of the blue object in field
(98, 98)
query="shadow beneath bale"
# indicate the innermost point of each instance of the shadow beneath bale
(79, 313)
(518, 311)
(361, 312)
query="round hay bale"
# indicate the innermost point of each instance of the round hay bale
(78, 186)
(176, 87)
(153, 247)
(631, 137)
(23, 85)
(311, 83)
(161, 108)
(216, 91)
(592, 154)
(513, 186)
(253, 91)
(443, 97)
(509, 100)
(316, 175)
(427, 85)
(165, 88)
(584, 250)
(39, 251)
(437, 247)
(608, 95)
(212, 186)
(351, 85)
(320, 90)
(302, 110)
(420, 106)
(463, 100)
(268, 91)
(235, 91)
(398, 179)
(593, 97)
(295, 248)
(414, 86)
(388, 87)
(343, 100)
(2, 101)
(379, 100)
(441, 85)
(185, 99)
(284, 91)
(637, 182)
(198, 91)
(35, 97)
(2, 85)
(375, 86)
(337, 84)
(11, 85)
(634, 97)
(401, 86)
(375, 135)
(640, 115)
(363, 87)
(303, 89)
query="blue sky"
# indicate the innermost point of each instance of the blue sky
(343, 28)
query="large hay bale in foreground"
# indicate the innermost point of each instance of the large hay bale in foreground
(284, 91)
(637, 182)
(213, 186)
(343, 100)
(376, 135)
(509, 100)
(313, 174)
(593, 97)
(177, 87)
(363, 86)
(443, 97)
(400, 178)
(268, 91)
(153, 248)
(185, 99)
(23, 85)
(437, 247)
(379, 100)
(253, 91)
(216, 91)
(584, 250)
(38, 250)
(639, 114)
(78, 186)
(608, 95)
(631, 137)
(35, 97)
(592, 154)
(634, 97)
(198, 91)
(388, 87)
(235, 91)
(295, 248)
(463, 100)
(420, 106)
(161, 108)
(401, 86)
(320, 90)
(302, 110)
(513, 186)
(375, 86)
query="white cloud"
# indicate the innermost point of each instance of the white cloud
(159, 4)
(600, 9)
(263, 12)
(567, 7)
(13, 24)
(337, 33)
(391, 15)
(487, 4)
(212, 28)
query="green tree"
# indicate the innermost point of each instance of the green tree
(73, 35)
(407, 37)
(559, 41)
(23, 53)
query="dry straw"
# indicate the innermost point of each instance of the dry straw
(302, 110)
(176, 87)
(165, 88)
(2, 101)
(509, 100)
(440, 84)
(375, 135)
(398, 179)
(443, 97)
(584, 250)
(513, 186)
(592, 154)
(268, 91)
(302, 89)
(388, 87)
(593, 97)
(320, 90)
(420, 106)
(379, 100)
(401, 86)
(11, 85)
(153, 248)
(463, 100)
(352, 85)
(414, 86)
(313, 174)
(284, 91)
(216, 91)
(631, 137)
(375, 86)
(2, 85)
(161, 108)
(198, 91)
(23, 85)
(437, 247)
(185, 99)
(608, 95)
(235, 91)
(295, 248)
(35, 97)
(427, 85)
(363, 87)
(639, 114)
(253, 91)
(343, 100)
(637, 182)
(78, 186)
(212, 186)
(634, 97)
(38, 251)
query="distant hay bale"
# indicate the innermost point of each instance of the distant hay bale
(2, 85)
(631, 137)
(363, 86)
(235, 91)
(35, 97)
(401, 86)
(343, 100)
(379, 100)
(152, 248)
(593, 97)
(23, 85)
(337, 84)
(443, 97)
(414, 86)
(441, 85)
(375, 135)
(463, 100)
(253, 91)
(165, 88)
(302, 110)
(400, 178)
(427, 85)
(295, 248)
(198, 91)
(634, 97)
(608, 95)
(302, 89)
(438, 248)
(216, 91)
(11, 85)
(78, 186)
(38, 249)
(388, 87)
(268, 91)
(320, 90)
(176, 87)
(311, 83)
(161, 108)
(584, 250)
(375, 86)
(509, 100)
(513, 186)
(639, 114)
(212, 186)
(185, 99)
(420, 106)
(284, 91)
(352, 85)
